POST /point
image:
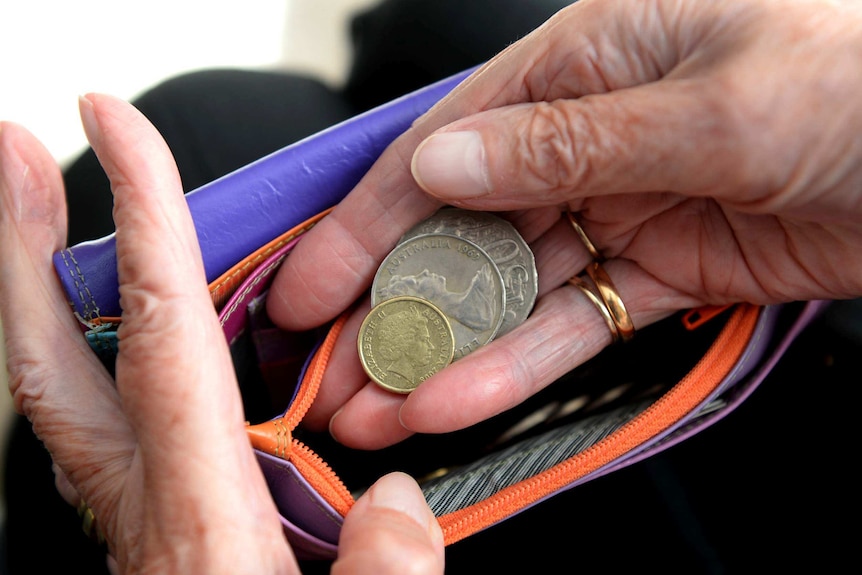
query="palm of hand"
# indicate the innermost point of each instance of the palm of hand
(674, 133)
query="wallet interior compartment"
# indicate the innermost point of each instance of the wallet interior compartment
(573, 413)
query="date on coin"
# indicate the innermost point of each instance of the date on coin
(403, 341)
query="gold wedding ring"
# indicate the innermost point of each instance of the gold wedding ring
(601, 291)
(612, 300)
(594, 253)
(600, 305)
(88, 523)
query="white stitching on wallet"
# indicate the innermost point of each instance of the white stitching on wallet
(88, 315)
(95, 312)
(241, 295)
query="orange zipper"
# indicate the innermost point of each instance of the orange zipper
(225, 285)
(696, 317)
(321, 477)
(675, 404)
(275, 436)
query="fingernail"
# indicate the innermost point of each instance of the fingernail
(401, 420)
(29, 198)
(452, 165)
(400, 492)
(88, 120)
(332, 423)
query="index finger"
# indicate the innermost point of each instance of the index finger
(163, 291)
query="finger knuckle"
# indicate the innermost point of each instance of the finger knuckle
(151, 313)
(550, 151)
(26, 377)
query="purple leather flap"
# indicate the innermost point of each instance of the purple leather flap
(247, 208)
(311, 524)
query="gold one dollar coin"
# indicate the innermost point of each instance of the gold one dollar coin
(403, 341)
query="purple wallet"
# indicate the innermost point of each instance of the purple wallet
(236, 214)
(701, 375)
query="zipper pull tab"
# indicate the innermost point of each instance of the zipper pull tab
(696, 317)
(271, 437)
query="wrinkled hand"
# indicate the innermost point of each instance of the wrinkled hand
(161, 455)
(711, 150)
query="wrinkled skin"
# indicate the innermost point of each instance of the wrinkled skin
(711, 150)
(165, 500)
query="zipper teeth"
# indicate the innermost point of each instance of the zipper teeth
(310, 384)
(322, 478)
(459, 524)
(311, 466)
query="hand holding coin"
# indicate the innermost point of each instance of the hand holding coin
(435, 263)
(683, 205)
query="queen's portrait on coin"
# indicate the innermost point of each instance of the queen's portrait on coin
(474, 308)
(405, 344)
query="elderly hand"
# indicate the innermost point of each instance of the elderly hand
(711, 151)
(165, 500)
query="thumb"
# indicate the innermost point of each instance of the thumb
(647, 138)
(391, 529)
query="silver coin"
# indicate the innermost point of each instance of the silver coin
(502, 242)
(454, 274)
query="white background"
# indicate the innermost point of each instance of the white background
(53, 51)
